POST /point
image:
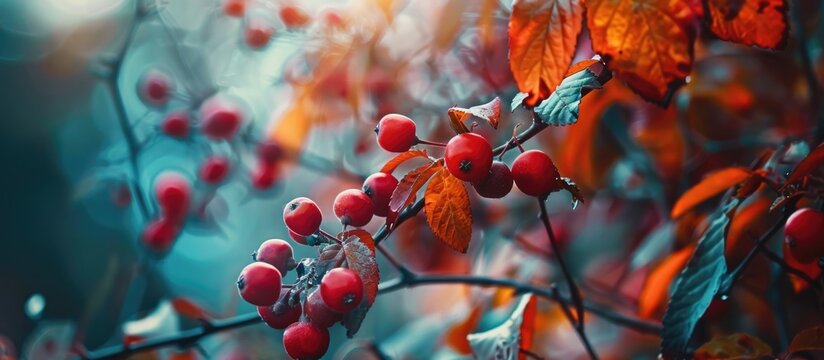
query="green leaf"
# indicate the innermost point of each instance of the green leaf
(561, 108)
(697, 284)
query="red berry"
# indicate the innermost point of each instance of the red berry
(280, 315)
(396, 133)
(293, 17)
(535, 174)
(259, 284)
(155, 88)
(303, 340)
(497, 183)
(176, 125)
(220, 120)
(173, 193)
(269, 152)
(264, 176)
(341, 289)
(214, 169)
(332, 18)
(258, 33)
(353, 207)
(275, 252)
(804, 234)
(379, 188)
(468, 157)
(317, 311)
(160, 234)
(302, 216)
(300, 239)
(235, 8)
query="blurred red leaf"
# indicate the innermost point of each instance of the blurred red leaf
(654, 294)
(543, 35)
(456, 335)
(709, 187)
(188, 308)
(648, 44)
(806, 166)
(807, 340)
(401, 158)
(761, 23)
(811, 269)
(447, 210)
(736, 346)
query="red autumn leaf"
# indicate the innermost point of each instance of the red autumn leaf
(447, 210)
(647, 43)
(813, 161)
(811, 269)
(491, 112)
(408, 186)
(810, 339)
(761, 23)
(745, 222)
(401, 158)
(188, 308)
(528, 325)
(543, 35)
(736, 346)
(456, 335)
(359, 248)
(654, 294)
(710, 186)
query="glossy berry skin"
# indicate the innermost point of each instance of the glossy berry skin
(259, 284)
(258, 33)
(160, 234)
(317, 311)
(234, 8)
(341, 290)
(280, 315)
(155, 88)
(293, 17)
(396, 133)
(275, 252)
(305, 341)
(379, 188)
(176, 125)
(353, 207)
(298, 238)
(535, 174)
(214, 169)
(264, 176)
(497, 183)
(220, 120)
(302, 216)
(269, 152)
(468, 157)
(804, 234)
(173, 193)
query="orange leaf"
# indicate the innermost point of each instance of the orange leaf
(447, 29)
(655, 292)
(807, 340)
(447, 210)
(761, 23)
(811, 269)
(736, 346)
(491, 112)
(528, 325)
(293, 127)
(399, 159)
(188, 308)
(543, 35)
(647, 43)
(456, 335)
(581, 65)
(745, 221)
(809, 164)
(408, 186)
(710, 186)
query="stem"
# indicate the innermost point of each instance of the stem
(530, 132)
(432, 143)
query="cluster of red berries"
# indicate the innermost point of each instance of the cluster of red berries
(804, 234)
(173, 193)
(469, 157)
(258, 29)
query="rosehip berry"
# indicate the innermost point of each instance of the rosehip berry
(173, 193)
(234, 8)
(220, 120)
(497, 183)
(155, 88)
(214, 169)
(293, 17)
(259, 284)
(468, 157)
(300, 239)
(353, 207)
(379, 188)
(396, 133)
(341, 289)
(304, 340)
(302, 216)
(258, 34)
(535, 174)
(275, 252)
(160, 234)
(280, 315)
(264, 176)
(176, 125)
(804, 234)
(269, 152)
(317, 311)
